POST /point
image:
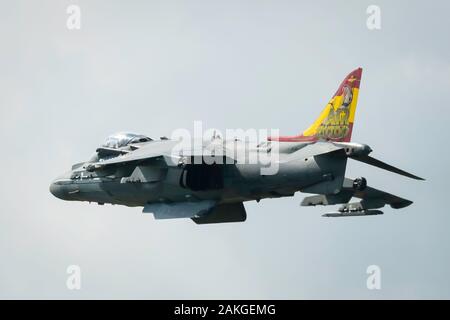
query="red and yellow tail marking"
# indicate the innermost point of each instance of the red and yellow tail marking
(335, 123)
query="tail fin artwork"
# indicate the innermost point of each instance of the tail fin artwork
(335, 123)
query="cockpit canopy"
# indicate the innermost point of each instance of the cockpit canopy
(122, 139)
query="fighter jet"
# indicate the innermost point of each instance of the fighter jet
(210, 183)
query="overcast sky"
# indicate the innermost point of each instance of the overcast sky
(155, 66)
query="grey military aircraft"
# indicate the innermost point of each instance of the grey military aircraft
(171, 180)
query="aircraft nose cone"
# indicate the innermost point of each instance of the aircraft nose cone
(57, 190)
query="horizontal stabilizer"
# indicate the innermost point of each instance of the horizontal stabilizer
(380, 164)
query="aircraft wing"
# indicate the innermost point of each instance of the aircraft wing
(156, 152)
(370, 194)
(159, 152)
(371, 199)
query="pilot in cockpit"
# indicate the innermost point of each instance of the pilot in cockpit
(118, 144)
(122, 139)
